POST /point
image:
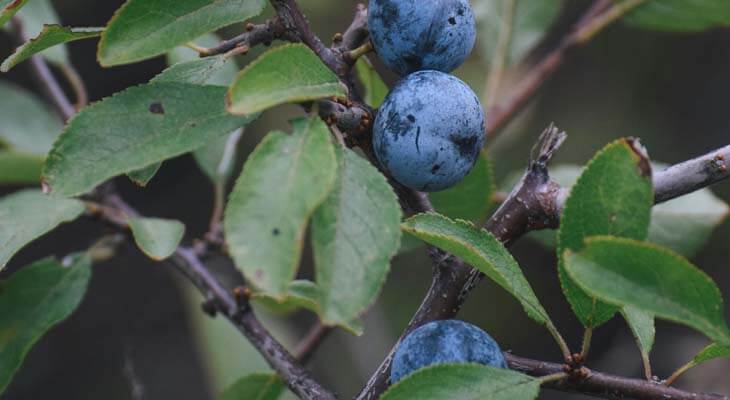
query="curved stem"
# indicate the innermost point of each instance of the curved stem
(679, 372)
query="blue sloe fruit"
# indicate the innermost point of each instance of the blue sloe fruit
(429, 131)
(414, 35)
(445, 342)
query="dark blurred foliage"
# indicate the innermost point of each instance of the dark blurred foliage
(136, 328)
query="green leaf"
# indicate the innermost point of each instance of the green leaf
(26, 124)
(375, 88)
(50, 36)
(680, 15)
(642, 327)
(282, 183)
(142, 177)
(19, 168)
(134, 129)
(8, 8)
(34, 300)
(471, 198)
(201, 71)
(464, 382)
(477, 247)
(223, 76)
(34, 16)
(712, 352)
(530, 21)
(686, 223)
(158, 238)
(143, 29)
(355, 232)
(255, 387)
(29, 214)
(287, 74)
(613, 196)
(218, 158)
(626, 272)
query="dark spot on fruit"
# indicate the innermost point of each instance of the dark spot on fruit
(465, 145)
(411, 118)
(275, 232)
(418, 136)
(435, 168)
(157, 108)
(452, 21)
(461, 11)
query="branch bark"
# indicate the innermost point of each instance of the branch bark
(604, 385)
(236, 309)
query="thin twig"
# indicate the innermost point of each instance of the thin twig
(77, 85)
(586, 28)
(306, 348)
(44, 76)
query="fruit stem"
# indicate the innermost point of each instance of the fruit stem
(358, 52)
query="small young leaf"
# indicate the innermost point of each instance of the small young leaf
(613, 196)
(375, 88)
(19, 168)
(29, 214)
(530, 21)
(255, 387)
(50, 36)
(34, 300)
(8, 8)
(642, 326)
(626, 272)
(134, 129)
(680, 15)
(282, 183)
(142, 177)
(26, 124)
(478, 248)
(158, 238)
(712, 352)
(471, 198)
(464, 382)
(355, 232)
(287, 74)
(143, 29)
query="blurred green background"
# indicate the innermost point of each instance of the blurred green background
(139, 333)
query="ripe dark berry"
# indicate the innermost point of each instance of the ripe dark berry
(429, 131)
